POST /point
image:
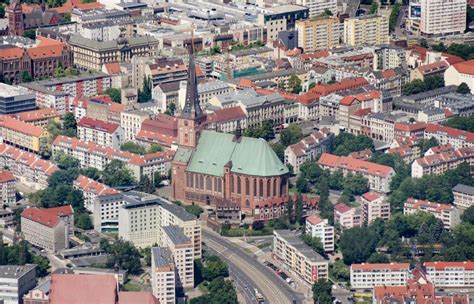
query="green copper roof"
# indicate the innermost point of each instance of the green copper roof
(250, 156)
(183, 155)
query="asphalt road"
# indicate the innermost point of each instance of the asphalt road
(251, 272)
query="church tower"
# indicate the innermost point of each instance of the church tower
(192, 119)
(15, 18)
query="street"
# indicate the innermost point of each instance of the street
(251, 272)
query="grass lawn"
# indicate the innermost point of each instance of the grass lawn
(131, 286)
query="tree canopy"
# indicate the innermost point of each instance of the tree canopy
(461, 123)
(346, 143)
(114, 94)
(418, 86)
(116, 174)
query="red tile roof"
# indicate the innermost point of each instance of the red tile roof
(142, 297)
(465, 67)
(371, 196)
(446, 157)
(97, 124)
(345, 84)
(41, 216)
(11, 53)
(361, 166)
(387, 74)
(442, 148)
(467, 265)
(405, 127)
(36, 115)
(435, 67)
(87, 184)
(316, 55)
(83, 288)
(451, 132)
(412, 203)
(381, 266)
(20, 126)
(227, 114)
(112, 68)
(60, 211)
(6, 176)
(46, 48)
(314, 219)
(342, 208)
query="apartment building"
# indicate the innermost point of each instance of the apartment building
(226, 120)
(463, 196)
(320, 228)
(131, 122)
(371, 275)
(39, 118)
(92, 189)
(450, 274)
(347, 217)
(7, 187)
(402, 130)
(140, 220)
(299, 257)
(350, 104)
(105, 211)
(92, 155)
(182, 249)
(280, 18)
(100, 132)
(163, 275)
(447, 135)
(319, 33)
(309, 148)
(448, 214)
(23, 135)
(27, 167)
(49, 98)
(441, 162)
(366, 30)
(460, 72)
(374, 206)
(379, 176)
(439, 17)
(44, 229)
(15, 281)
(318, 7)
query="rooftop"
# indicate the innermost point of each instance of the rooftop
(7, 90)
(295, 241)
(176, 235)
(464, 189)
(14, 271)
(162, 256)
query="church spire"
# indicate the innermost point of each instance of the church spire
(192, 107)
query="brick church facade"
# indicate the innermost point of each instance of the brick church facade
(225, 170)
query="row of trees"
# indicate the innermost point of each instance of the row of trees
(19, 254)
(418, 86)
(461, 123)
(137, 149)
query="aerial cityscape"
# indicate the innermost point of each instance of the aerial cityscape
(236, 151)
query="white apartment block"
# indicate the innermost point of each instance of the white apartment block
(446, 135)
(366, 30)
(182, 249)
(463, 196)
(347, 217)
(140, 222)
(298, 257)
(450, 274)
(163, 275)
(131, 122)
(44, 230)
(105, 211)
(7, 187)
(374, 206)
(320, 228)
(370, 275)
(448, 214)
(102, 133)
(308, 148)
(442, 17)
(91, 189)
(317, 7)
(15, 281)
(441, 162)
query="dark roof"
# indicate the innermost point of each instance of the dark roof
(464, 189)
(162, 256)
(176, 235)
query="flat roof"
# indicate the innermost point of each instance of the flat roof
(176, 234)
(7, 90)
(287, 8)
(162, 256)
(295, 241)
(14, 271)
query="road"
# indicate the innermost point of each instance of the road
(250, 270)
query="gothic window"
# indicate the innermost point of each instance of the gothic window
(231, 184)
(201, 182)
(208, 183)
(283, 186)
(239, 185)
(260, 188)
(274, 187)
(268, 188)
(247, 186)
(247, 203)
(219, 185)
(254, 187)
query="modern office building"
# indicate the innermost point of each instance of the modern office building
(15, 281)
(182, 250)
(163, 275)
(441, 17)
(15, 99)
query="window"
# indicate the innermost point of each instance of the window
(232, 184)
(239, 185)
(208, 183)
(247, 186)
(268, 188)
(255, 187)
(260, 187)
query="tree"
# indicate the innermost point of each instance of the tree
(461, 123)
(322, 292)
(144, 95)
(145, 184)
(124, 256)
(194, 209)
(115, 174)
(220, 291)
(66, 162)
(314, 242)
(357, 244)
(265, 131)
(463, 88)
(132, 147)
(83, 221)
(346, 143)
(424, 43)
(289, 210)
(378, 258)
(67, 17)
(214, 268)
(468, 215)
(294, 84)
(258, 225)
(418, 86)
(90, 172)
(279, 150)
(426, 144)
(392, 22)
(327, 12)
(42, 265)
(355, 184)
(2, 11)
(25, 77)
(170, 109)
(70, 125)
(291, 135)
(374, 7)
(30, 34)
(154, 148)
(114, 94)
(299, 209)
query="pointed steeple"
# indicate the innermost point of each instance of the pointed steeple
(192, 107)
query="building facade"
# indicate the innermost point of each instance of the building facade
(374, 206)
(15, 281)
(7, 187)
(102, 133)
(440, 17)
(320, 33)
(371, 275)
(448, 214)
(320, 228)
(370, 30)
(450, 274)
(463, 196)
(163, 275)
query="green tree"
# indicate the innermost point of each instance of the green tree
(114, 94)
(327, 12)
(125, 256)
(70, 125)
(314, 242)
(83, 221)
(279, 150)
(170, 109)
(346, 143)
(461, 123)
(378, 258)
(426, 144)
(289, 210)
(424, 43)
(115, 174)
(145, 184)
(299, 209)
(25, 77)
(132, 147)
(463, 88)
(291, 135)
(214, 268)
(194, 209)
(2, 11)
(355, 184)
(265, 131)
(67, 17)
(90, 172)
(30, 34)
(322, 292)
(154, 148)
(357, 244)
(66, 162)
(392, 22)
(42, 265)
(374, 7)
(294, 84)
(468, 215)
(144, 95)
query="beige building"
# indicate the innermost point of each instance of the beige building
(298, 257)
(347, 217)
(319, 33)
(366, 30)
(374, 206)
(44, 229)
(441, 162)
(100, 132)
(450, 274)
(448, 214)
(318, 7)
(371, 275)
(7, 187)
(182, 249)
(23, 135)
(463, 196)
(131, 122)
(92, 189)
(320, 228)
(441, 17)
(163, 275)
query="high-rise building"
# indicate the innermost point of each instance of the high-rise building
(163, 275)
(320, 228)
(319, 33)
(318, 7)
(182, 249)
(441, 17)
(370, 30)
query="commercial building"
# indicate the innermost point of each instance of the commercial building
(450, 274)
(319, 33)
(441, 162)
(7, 187)
(281, 18)
(182, 249)
(318, 7)
(44, 229)
(347, 217)
(379, 176)
(299, 257)
(439, 17)
(374, 206)
(15, 281)
(163, 275)
(366, 30)
(463, 196)
(102, 133)
(320, 228)
(371, 275)
(446, 135)
(448, 214)
(15, 99)
(140, 222)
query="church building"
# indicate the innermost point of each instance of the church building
(222, 169)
